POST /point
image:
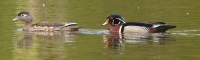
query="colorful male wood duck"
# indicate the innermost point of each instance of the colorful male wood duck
(27, 18)
(118, 24)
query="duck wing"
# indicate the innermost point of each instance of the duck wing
(53, 24)
(164, 28)
(145, 24)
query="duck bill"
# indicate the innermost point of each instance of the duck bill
(15, 19)
(107, 22)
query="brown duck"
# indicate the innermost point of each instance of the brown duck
(27, 18)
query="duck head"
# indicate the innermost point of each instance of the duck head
(114, 19)
(24, 16)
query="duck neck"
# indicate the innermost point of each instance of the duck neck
(27, 25)
(114, 28)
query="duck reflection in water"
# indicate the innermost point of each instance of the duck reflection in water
(145, 38)
(28, 38)
(49, 45)
(115, 40)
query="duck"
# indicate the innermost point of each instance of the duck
(28, 18)
(118, 24)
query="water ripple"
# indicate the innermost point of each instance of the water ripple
(186, 32)
(93, 31)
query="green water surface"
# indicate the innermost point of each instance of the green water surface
(182, 44)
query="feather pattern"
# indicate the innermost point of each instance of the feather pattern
(126, 27)
(27, 18)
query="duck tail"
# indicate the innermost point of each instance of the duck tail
(160, 23)
(164, 28)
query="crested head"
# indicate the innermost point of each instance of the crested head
(23, 12)
(114, 19)
(27, 17)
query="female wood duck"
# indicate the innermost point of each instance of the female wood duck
(27, 18)
(118, 24)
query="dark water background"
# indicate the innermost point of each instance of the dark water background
(94, 42)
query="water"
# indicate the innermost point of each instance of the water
(94, 42)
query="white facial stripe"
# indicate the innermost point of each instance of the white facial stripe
(119, 23)
(113, 22)
(120, 20)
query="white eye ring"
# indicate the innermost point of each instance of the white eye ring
(23, 15)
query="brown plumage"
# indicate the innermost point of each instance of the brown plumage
(45, 23)
(27, 18)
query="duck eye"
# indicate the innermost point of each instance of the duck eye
(23, 15)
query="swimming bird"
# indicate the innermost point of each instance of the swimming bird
(27, 18)
(118, 24)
